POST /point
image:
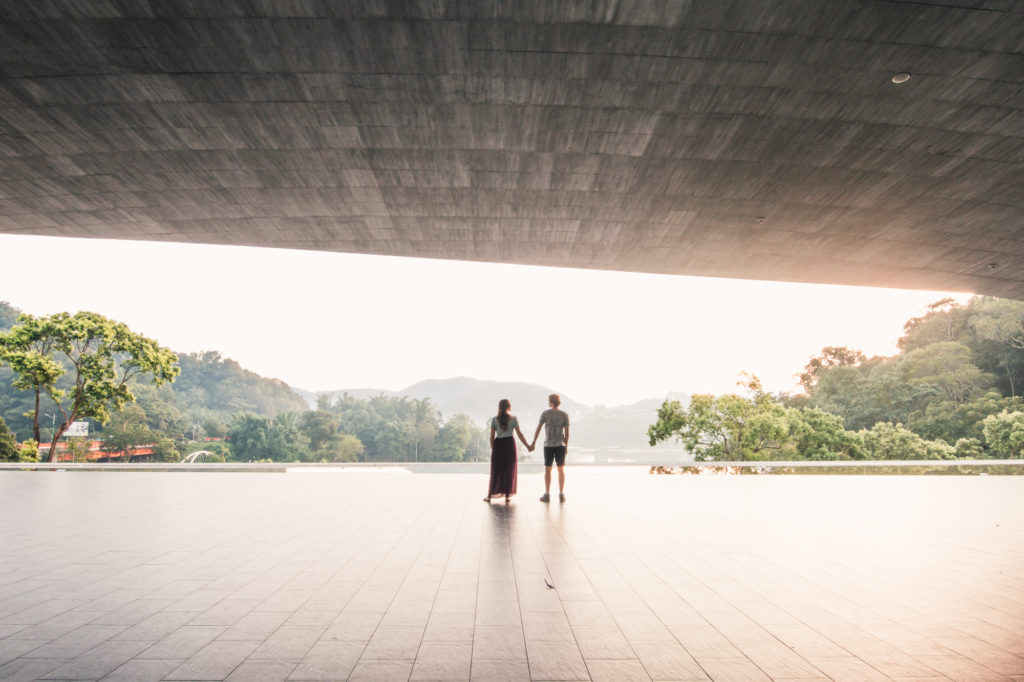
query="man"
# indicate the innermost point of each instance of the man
(556, 442)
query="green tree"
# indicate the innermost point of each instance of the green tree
(943, 419)
(819, 435)
(830, 356)
(875, 390)
(948, 366)
(999, 325)
(390, 428)
(255, 437)
(454, 439)
(326, 442)
(946, 320)
(29, 451)
(214, 428)
(165, 451)
(729, 427)
(76, 450)
(1004, 433)
(161, 409)
(8, 446)
(252, 438)
(345, 448)
(102, 356)
(127, 431)
(1001, 320)
(968, 448)
(892, 441)
(320, 427)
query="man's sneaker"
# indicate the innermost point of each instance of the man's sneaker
(561, 498)
(545, 498)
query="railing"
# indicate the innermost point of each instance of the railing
(771, 467)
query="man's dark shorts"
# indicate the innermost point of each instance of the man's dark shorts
(554, 453)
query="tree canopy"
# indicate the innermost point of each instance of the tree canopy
(8, 446)
(99, 356)
(951, 391)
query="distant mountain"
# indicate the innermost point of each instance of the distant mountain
(477, 398)
(622, 426)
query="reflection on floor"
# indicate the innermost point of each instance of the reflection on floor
(362, 576)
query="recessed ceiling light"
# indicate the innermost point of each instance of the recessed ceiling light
(901, 78)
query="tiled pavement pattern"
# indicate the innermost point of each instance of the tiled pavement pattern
(264, 577)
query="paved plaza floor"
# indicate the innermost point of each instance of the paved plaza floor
(396, 576)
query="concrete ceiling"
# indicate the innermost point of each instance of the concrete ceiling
(757, 139)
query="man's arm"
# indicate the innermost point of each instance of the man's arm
(537, 432)
(567, 436)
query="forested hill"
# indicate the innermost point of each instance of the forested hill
(211, 382)
(477, 398)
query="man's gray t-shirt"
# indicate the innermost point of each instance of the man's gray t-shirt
(554, 422)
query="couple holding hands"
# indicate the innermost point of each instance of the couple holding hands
(503, 449)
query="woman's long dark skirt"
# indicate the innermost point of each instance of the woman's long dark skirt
(503, 467)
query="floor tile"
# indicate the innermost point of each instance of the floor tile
(321, 577)
(328, 661)
(215, 661)
(143, 670)
(261, 671)
(500, 671)
(556, 661)
(617, 671)
(443, 661)
(381, 671)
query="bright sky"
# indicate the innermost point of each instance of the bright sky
(327, 321)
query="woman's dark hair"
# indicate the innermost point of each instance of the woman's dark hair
(503, 407)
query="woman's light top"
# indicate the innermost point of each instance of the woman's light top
(504, 433)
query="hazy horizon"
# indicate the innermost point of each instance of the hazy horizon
(323, 321)
(373, 390)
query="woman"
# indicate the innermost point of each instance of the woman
(503, 452)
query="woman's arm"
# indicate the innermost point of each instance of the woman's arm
(492, 437)
(522, 437)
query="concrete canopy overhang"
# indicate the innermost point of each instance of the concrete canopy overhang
(711, 137)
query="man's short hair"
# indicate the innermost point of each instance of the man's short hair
(554, 399)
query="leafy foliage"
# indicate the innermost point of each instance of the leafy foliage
(133, 404)
(950, 392)
(892, 441)
(405, 430)
(99, 356)
(219, 387)
(1004, 433)
(729, 427)
(255, 438)
(8, 446)
(958, 366)
(819, 435)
